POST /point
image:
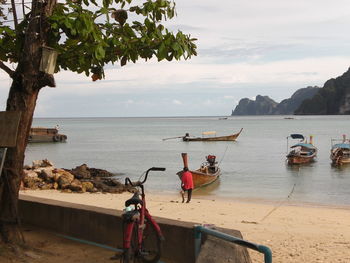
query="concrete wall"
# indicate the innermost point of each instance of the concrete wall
(104, 226)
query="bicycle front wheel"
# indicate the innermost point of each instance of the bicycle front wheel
(151, 244)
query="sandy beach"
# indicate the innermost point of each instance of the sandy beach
(294, 233)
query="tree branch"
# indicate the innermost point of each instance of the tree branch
(6, 69)
(23, 10)
(14, 13)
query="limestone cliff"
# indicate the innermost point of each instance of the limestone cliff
(333, 98)
(288, 106)
(263, 105)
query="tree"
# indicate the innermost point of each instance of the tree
(88, 35)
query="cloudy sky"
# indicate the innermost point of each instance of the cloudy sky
(245, 48)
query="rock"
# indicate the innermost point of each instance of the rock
(94, 190)
(36, 164)
(47, 163)
(57, 173)
(100, 173)
(30, 173)
(81, 172)
(101, 186)
(88, 186)
(41, 163)
(45, 186)
(32, 182)
(111, 182)
(65, 179)
(43, 175)
(76, 186)
(47, 174)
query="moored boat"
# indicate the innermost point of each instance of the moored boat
(211, 136)
(206, 174)
(302, 152)
(340, 151)
(40, 134)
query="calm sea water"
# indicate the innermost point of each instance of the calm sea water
(253, 167)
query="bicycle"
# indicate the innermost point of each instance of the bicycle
(142, 236)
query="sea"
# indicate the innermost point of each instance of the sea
(253, 167)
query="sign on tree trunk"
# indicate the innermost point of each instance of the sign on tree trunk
(9, 121)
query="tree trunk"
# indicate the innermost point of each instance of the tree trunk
(13, 167)
(27, 82)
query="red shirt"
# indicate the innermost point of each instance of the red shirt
(187, 181)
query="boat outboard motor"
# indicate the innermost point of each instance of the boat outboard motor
(211, 160)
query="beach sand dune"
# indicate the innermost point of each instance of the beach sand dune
(300, 233)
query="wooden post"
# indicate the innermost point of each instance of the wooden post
(184, 159)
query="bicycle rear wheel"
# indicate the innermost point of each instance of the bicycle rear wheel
(151, 244)
(130, 254)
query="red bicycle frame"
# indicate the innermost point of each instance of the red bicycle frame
(139, 215)
(129, 228)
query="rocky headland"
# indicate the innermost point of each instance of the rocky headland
(333, 98)
(264, 105)
(42, 174)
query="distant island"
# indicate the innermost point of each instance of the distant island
(332, 98)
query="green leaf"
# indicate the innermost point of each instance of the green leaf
(99, 52)
(162, 52)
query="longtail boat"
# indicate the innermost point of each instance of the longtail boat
(208, 172)
(40, 134)
(340, 151)
(211, 137)
(302, 152)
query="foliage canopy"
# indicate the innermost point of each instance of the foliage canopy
(90, 34)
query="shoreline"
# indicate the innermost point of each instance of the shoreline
(294, 233)
(252, 200)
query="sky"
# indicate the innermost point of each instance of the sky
(245, 48)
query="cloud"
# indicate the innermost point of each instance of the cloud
(245, 48)
(177, 102)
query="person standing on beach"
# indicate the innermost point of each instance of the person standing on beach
(186, 184)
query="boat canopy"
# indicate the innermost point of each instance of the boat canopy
(341, 145)
(209, 133)
(306, 145)
(297, 136)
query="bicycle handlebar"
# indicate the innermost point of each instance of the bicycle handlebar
(157, 169)
(139, 183)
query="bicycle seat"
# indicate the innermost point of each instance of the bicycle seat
(134, 200)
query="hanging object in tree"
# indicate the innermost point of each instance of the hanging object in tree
(48, 60)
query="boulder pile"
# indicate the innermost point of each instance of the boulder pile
(43, 175)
